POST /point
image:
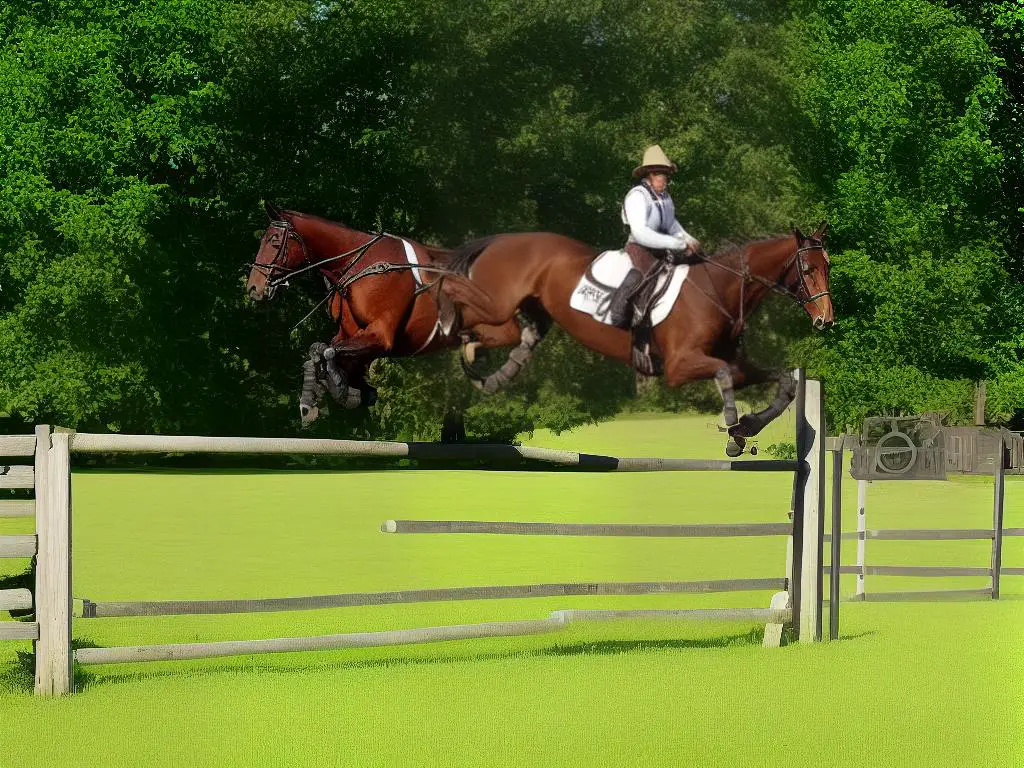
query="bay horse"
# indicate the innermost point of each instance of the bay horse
(507, 289)
(379, 293)
(534, 275)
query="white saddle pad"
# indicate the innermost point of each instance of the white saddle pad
(607, 272)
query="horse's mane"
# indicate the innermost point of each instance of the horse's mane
(436, 252)
(460, 259)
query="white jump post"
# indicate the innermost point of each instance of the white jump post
(809, 519)
(53, 563)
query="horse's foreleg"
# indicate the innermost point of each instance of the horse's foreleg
(752, 423)
(375, 340)
(340, 367)
(313, 388)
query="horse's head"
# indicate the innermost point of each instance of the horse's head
(811, 284)
(282, 251)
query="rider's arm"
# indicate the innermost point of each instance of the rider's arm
(636, 217)
(676, 230)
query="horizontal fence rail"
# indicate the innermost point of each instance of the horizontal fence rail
(922, 570)
(182, 651)
(20, 545)
(19, 630)
(17, 477)
(17, 508)
(919, 534)
(97, 609)
(85, 442)
(760, 615)
(586, 529)
(557, 621)
(15, 600)
(925, 596)
(17, 445)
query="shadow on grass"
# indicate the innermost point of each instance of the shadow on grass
(85, 679)
(19, 676)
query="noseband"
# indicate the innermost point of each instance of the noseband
(803, 269)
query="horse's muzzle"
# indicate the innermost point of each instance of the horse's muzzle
(820, 323)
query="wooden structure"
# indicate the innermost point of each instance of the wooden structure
(797, 599)
(967, 450)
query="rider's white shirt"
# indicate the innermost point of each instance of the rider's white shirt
(653, 223)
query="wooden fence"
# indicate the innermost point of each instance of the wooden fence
(798, 598)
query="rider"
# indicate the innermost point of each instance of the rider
(653, 229)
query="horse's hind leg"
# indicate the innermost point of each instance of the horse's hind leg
(489, 337)
(531, 331)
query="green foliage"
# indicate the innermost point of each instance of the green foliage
(137, 141)
(785, 451)
(900, 101)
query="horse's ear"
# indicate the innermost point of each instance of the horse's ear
(821, 231)
(272, 212)
(800, 237)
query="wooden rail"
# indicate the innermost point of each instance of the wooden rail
(586, 529)
(557, 621)
(98, 609)
(85, 442)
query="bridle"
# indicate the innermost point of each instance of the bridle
(270, 269)
(802, 295)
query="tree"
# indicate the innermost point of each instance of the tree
(899, 100)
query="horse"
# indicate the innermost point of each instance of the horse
(536, 275)
(508, 289)
(379, 294)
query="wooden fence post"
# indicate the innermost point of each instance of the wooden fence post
(997, 515)
(53, 563)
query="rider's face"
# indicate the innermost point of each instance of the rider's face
(658, 181)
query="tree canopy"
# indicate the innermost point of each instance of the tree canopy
(140, 138)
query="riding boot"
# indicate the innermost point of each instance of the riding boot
(620, 308)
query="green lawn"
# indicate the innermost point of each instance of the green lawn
(908, 684)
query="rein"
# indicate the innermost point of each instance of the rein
(776, 286)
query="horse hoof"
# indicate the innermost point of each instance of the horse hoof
(734, 447)
(469, 351)
(308, 413)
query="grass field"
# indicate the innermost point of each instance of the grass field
(906, 685)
